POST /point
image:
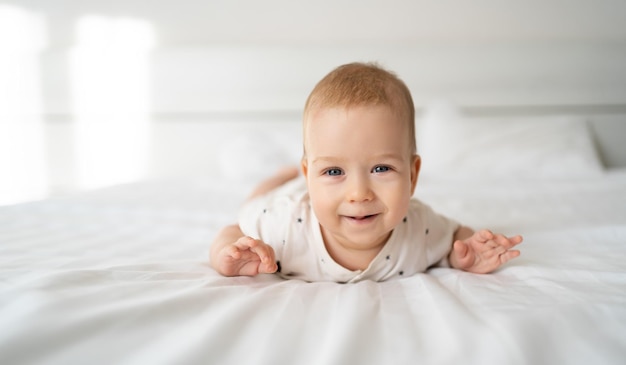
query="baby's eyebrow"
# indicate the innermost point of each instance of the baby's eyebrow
(330, 159)
(389, 156)
(337, 160)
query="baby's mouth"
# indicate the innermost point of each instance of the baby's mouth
(362, 217)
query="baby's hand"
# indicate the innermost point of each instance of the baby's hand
(483, 252)
(247, 257)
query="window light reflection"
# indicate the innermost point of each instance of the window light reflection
(22, 159)
(109, 71)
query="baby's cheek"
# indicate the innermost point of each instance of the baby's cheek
(322, 207)
(400, 208)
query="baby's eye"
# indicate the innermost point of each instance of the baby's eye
(380, 169)
(333, 172)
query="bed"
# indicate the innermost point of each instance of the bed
(120, 275)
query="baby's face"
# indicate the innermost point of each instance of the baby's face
(360, 174)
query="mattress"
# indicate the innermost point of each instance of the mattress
(121, 276)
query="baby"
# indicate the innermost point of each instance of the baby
(351, 215)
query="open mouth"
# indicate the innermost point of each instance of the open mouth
(362, 218)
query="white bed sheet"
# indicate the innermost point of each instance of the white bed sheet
(120, 276)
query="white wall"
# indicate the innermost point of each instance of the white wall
(167, 79)
(195, 22)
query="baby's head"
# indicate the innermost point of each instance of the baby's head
(360, 158)
(362, 84)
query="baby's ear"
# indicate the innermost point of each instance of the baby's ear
(416, 164)
(304, 167)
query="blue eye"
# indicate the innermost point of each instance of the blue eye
(333, 172)
(380, 169)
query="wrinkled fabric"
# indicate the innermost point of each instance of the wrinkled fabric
(121, 276)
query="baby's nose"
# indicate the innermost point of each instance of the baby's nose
(359, 189)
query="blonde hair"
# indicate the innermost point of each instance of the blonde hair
(360, 84)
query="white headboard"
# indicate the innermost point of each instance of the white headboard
(246, 78)
(201, 95)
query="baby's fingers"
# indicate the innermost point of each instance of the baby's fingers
(264, 252)
(233, 252)
(507, 242)
(461, 255)
(483, 236)
(245, 243)
(509, 255)
(242, 247)
(516, 240)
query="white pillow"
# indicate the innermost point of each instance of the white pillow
(455, 147)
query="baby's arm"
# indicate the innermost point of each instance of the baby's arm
(234, 254)
(481, 252)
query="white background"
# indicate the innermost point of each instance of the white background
(95, 92)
